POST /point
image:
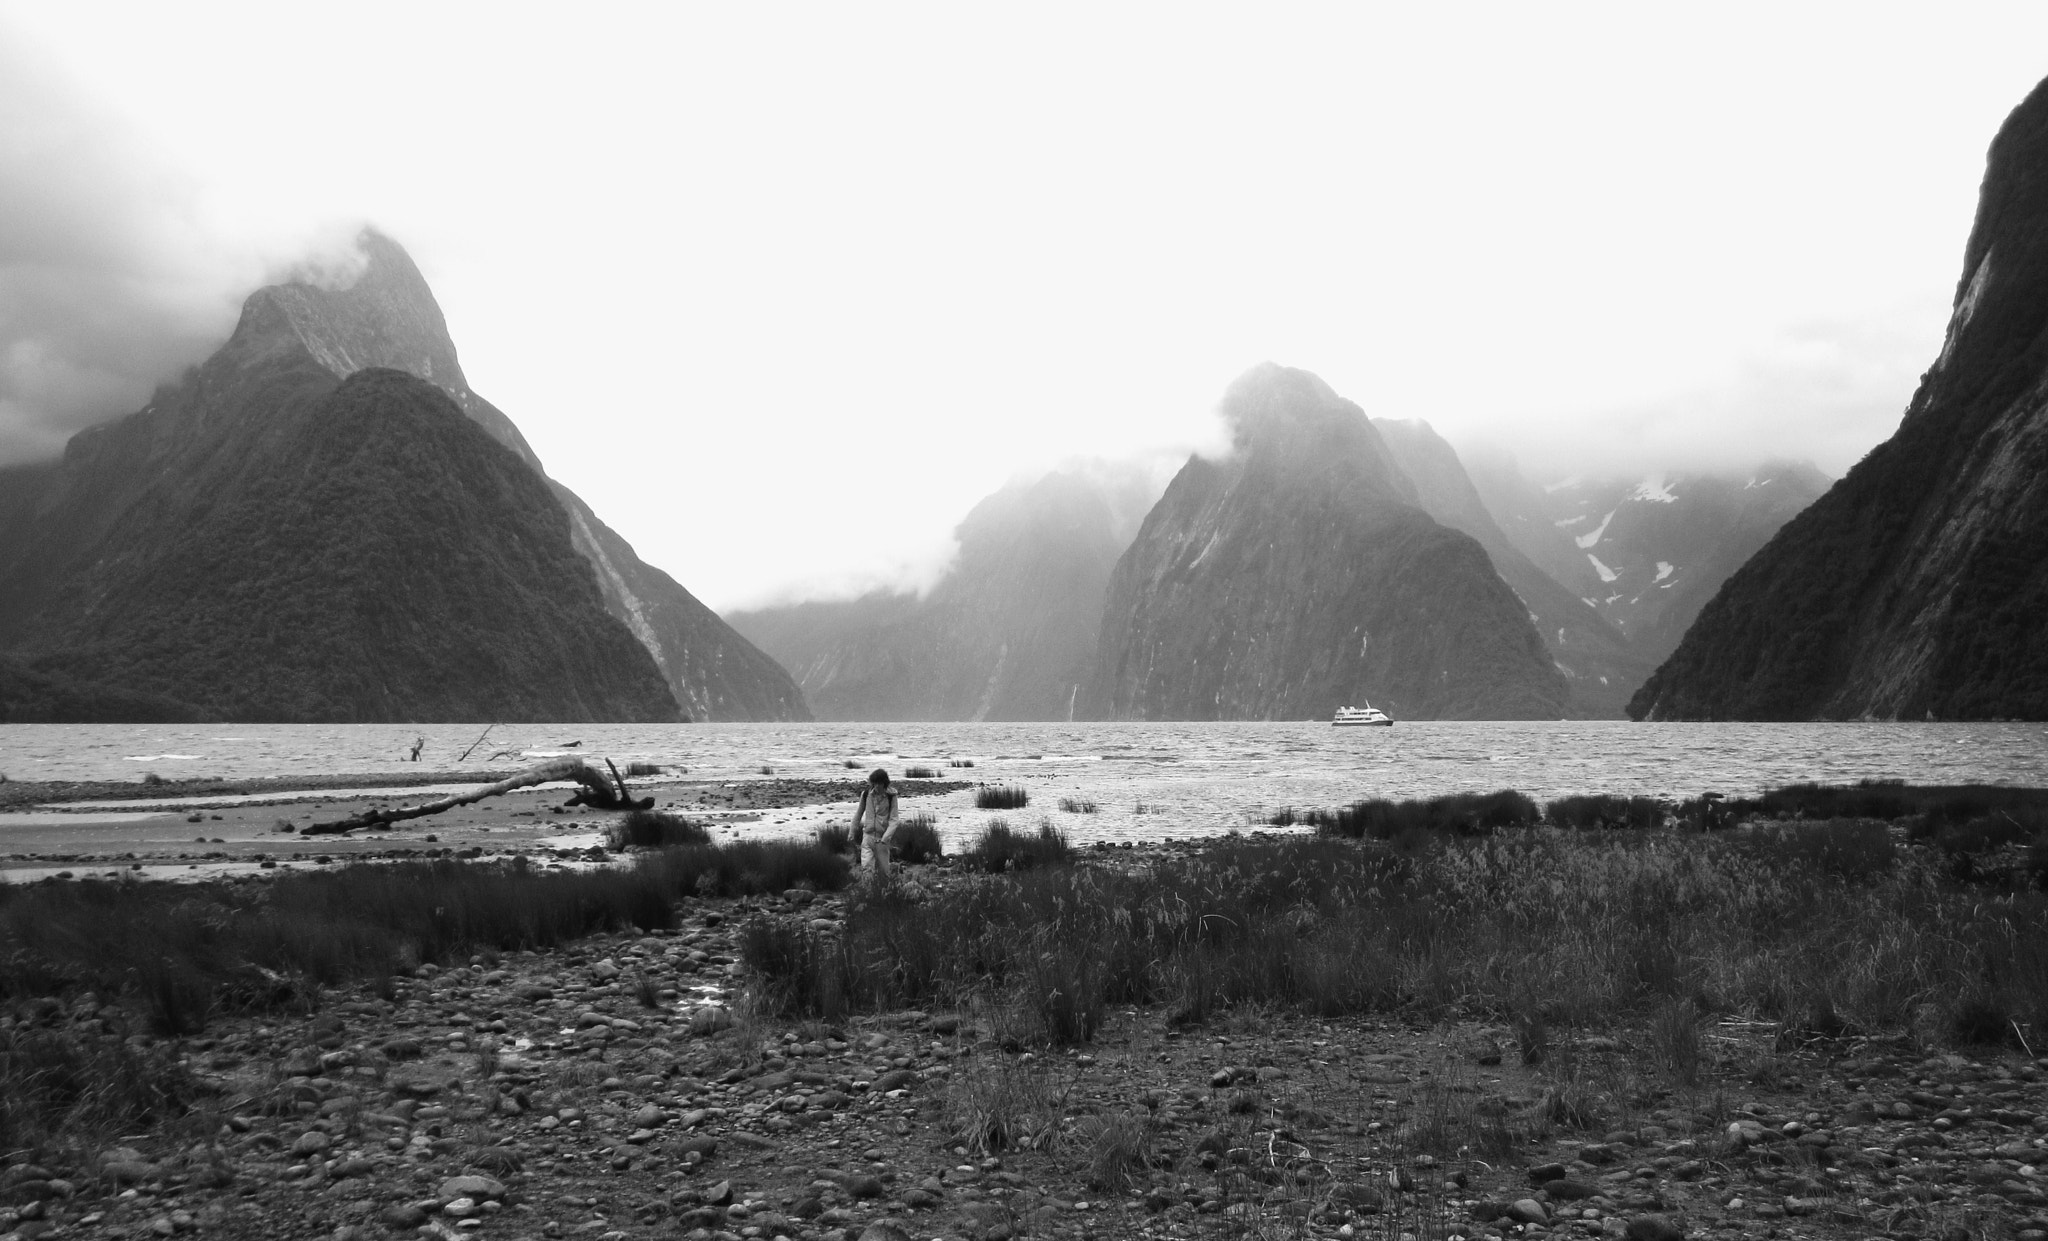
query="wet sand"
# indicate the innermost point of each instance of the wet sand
(194, 829)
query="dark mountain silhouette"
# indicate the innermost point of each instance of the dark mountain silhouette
(293, 334)
(1918, 585)
(266, 542)
(1008, 633)
(1300, 574)
(1597, 660)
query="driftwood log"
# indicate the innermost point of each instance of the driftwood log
(604, 789)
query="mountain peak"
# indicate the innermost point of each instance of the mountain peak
(1295, 422)
(384, 315)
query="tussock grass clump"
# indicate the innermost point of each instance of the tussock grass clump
(994, 1104)
(1002, 848)
(1001, 797)
(1118, 1149)
(1078, 805)
(803, 973)
(655, 829)
(748, 868)
(635, 770)
(920, 773)
(765, 769)
(959, 762)
(55, 1087)
(917, 840)
(1605, 810)
(834, 838)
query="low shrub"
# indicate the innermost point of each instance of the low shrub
(1605, 811)
(1462, 814)
(917, 840)
(655, 829)
(1001, 797)
(1893, 799)
(1078, 805)
(1000, 848)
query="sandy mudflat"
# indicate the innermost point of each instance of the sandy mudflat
(181, 829)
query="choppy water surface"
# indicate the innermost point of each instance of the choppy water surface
(1187, 777)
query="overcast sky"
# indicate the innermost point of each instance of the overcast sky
(782, 290)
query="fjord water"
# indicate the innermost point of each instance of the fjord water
(1190, 777)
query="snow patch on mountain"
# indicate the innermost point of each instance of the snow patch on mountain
(1606, 574)
(1664, 569)
(1655, 490)
(1593, 539)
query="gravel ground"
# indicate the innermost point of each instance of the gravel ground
(607, 1091)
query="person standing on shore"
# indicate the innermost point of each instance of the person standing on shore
(874, 824)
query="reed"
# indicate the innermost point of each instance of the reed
(1001, 797)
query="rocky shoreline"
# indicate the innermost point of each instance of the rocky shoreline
(621, 1088)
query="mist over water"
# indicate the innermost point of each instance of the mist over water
(1193, 779)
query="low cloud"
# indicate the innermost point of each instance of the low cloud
(112, 278)
(1825, 391)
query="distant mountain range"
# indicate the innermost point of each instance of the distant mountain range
(1327, 558)
(1007, 633)
(323, 522)
(1917, 586)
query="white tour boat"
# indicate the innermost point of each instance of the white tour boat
(1355, 717)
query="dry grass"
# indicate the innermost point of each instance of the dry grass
(1554, 930)
(996, 1103)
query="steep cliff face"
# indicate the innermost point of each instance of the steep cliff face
(1596, 658)
(1300, 574)
(1918, 585)
(268, 543)
(387, 316)
(1008, 633)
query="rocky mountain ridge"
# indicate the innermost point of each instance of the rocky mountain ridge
(1917, 587)
(134, 496)
(1300, 573)
(387, 316)
(265, 542)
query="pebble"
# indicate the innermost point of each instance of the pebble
(570, 1104)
